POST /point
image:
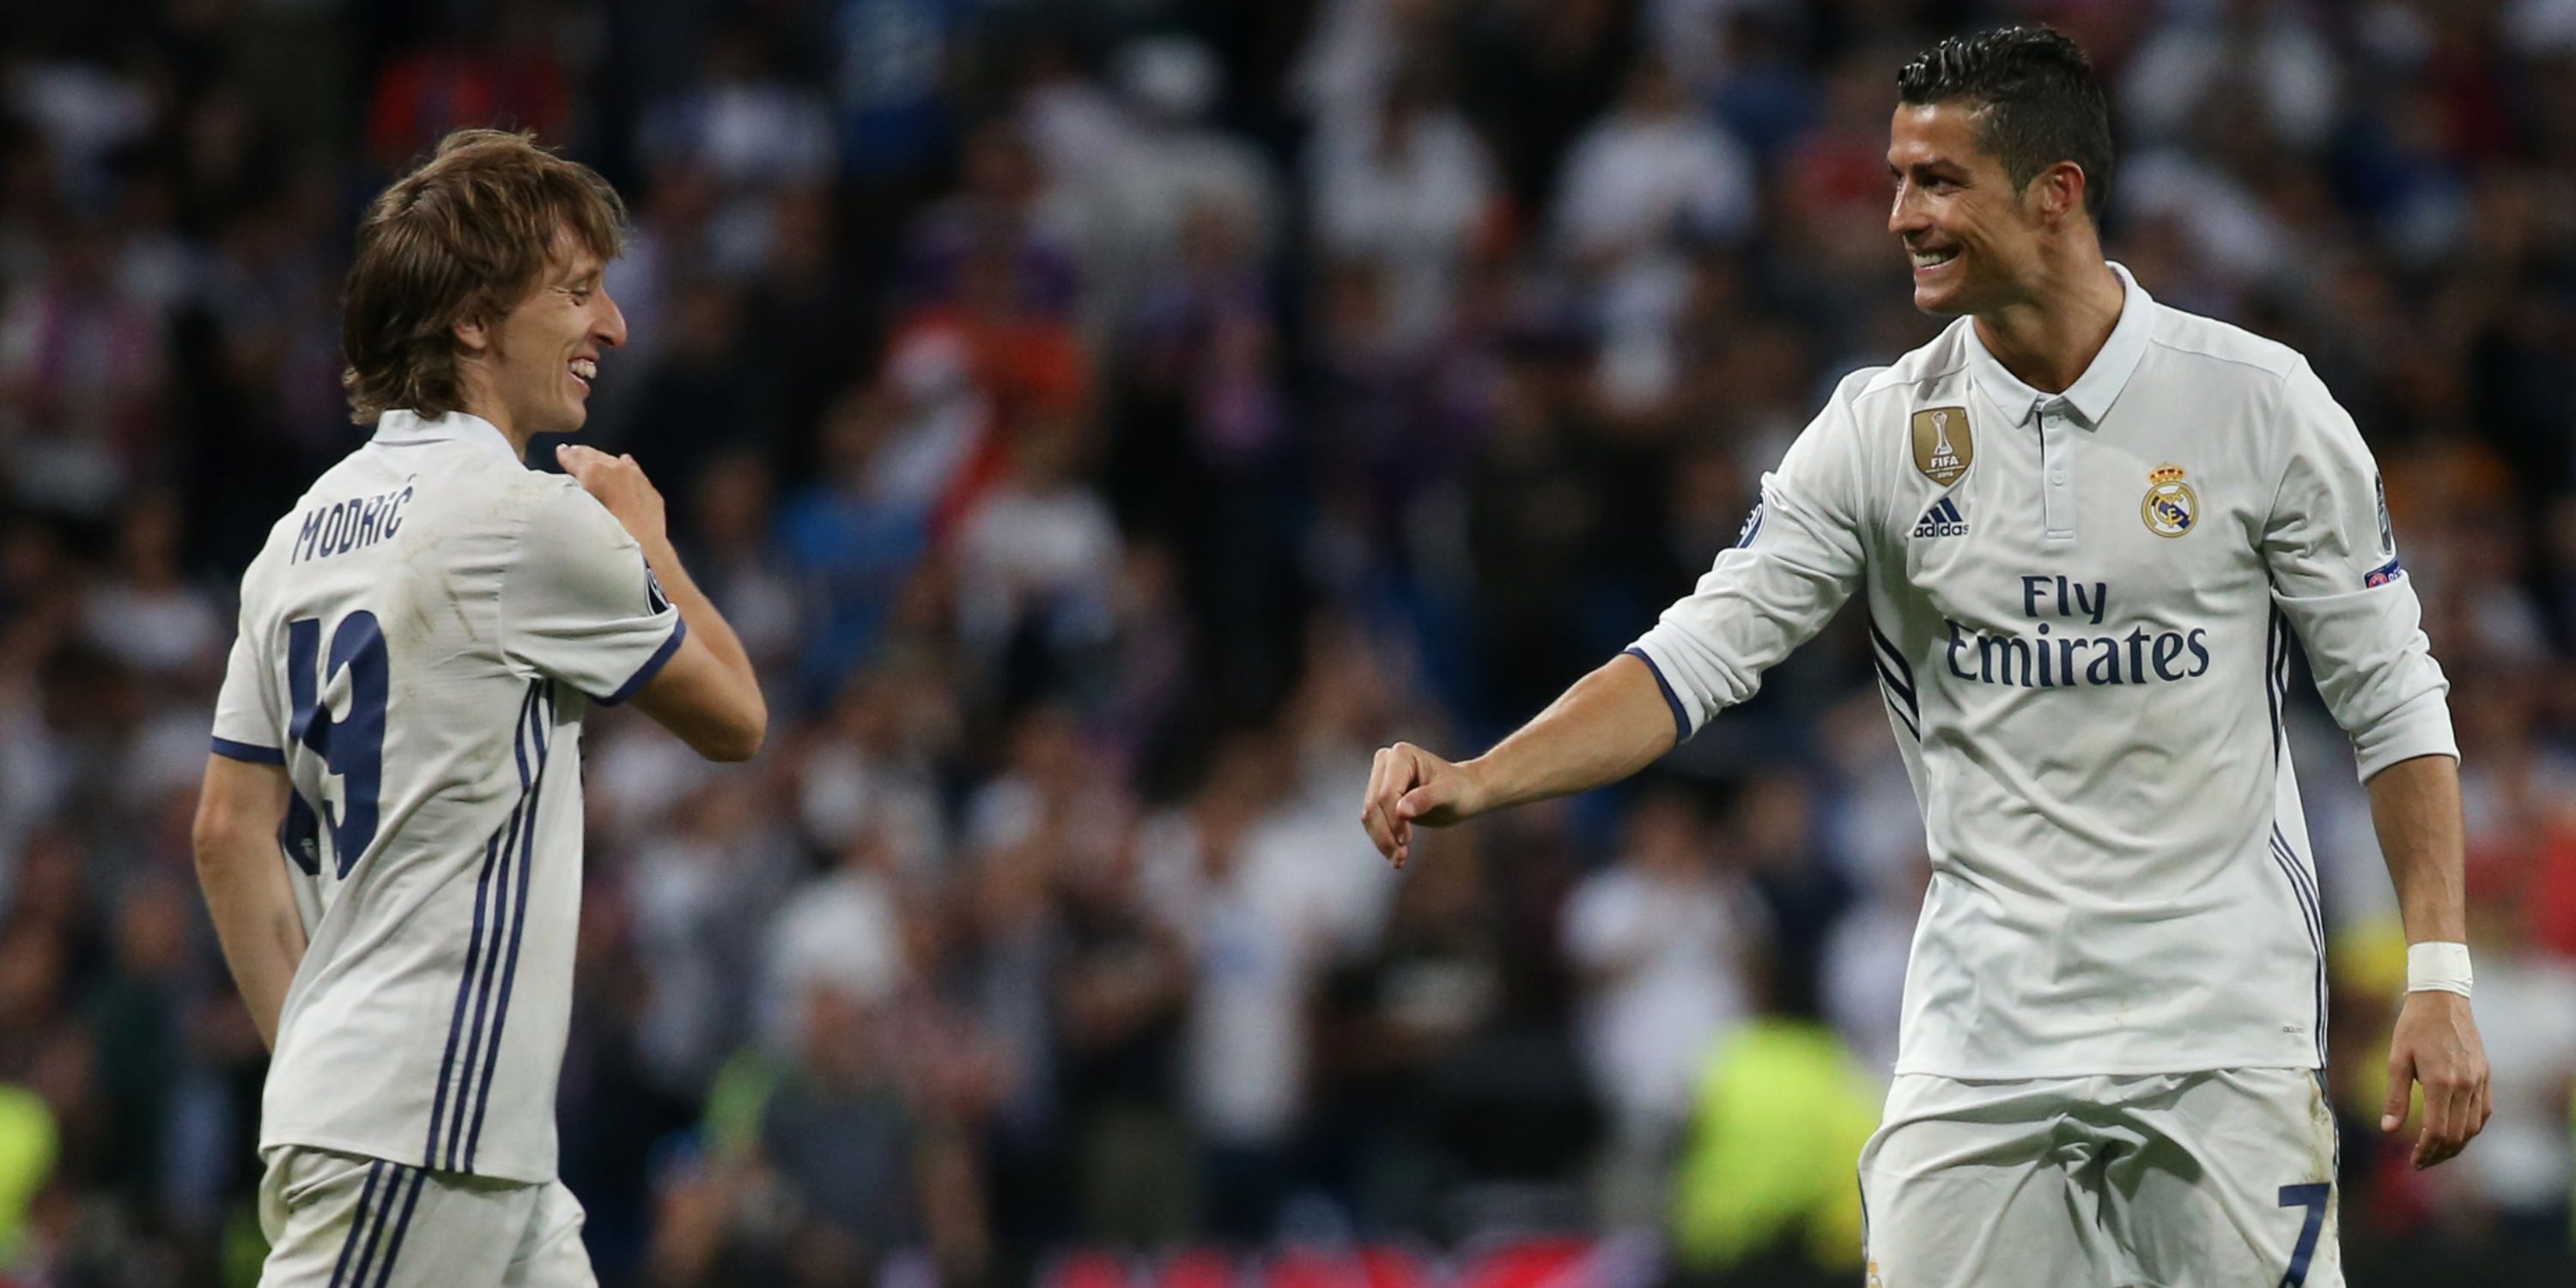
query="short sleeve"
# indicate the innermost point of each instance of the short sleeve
(247, 718)
(2331, 553)
(1802, 553)
(579, 604)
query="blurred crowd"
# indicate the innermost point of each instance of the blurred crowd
(1106, 422)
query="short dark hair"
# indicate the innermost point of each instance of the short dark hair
(468, 234)
(2038, 101)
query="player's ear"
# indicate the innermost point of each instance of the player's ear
(2058, 192)
(472, 333)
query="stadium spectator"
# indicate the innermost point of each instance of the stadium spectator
(1660, 938)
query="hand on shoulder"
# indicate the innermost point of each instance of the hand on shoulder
(619, 485)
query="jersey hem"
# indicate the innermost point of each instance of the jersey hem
(652, 665)
(249, 751)
(269, 1143)
(2026, 1073)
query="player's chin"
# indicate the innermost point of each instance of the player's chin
(1939, 297)
(559, 420)
(1944, 289)
(1952, 300)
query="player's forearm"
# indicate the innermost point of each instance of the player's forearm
(244, 879)
(2415, 805)
(1611, 724)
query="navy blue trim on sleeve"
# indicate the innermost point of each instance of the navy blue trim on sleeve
(652, 665)
(252, 752)
(1681, 718)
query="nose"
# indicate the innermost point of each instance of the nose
(610, 329)
(1905, 214)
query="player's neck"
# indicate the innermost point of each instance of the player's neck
(2051, 335)
(479, 402)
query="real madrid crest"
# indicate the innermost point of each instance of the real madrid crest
(1943, 448)
(2171, 506)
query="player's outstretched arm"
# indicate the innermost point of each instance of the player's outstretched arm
(244, 878)
(707, 693)
(2415, 805)
(1611, 724)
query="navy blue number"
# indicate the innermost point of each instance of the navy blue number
(352, 746)
(2313, 1197)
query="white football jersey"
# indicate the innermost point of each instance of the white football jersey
(2081, 607)
(420, 638)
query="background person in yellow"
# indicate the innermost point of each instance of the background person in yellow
(29, 1140)
(1765, 1191)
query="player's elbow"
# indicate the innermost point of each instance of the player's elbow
(713, 703)
(238, 811)
(207, 845)
(734, 745)
(738, 737)
(218, 833)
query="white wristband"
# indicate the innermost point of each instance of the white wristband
(2437, 967)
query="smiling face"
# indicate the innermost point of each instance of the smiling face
(539, 360)
(1972, 236)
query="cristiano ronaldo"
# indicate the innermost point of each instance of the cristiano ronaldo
(2088, 529)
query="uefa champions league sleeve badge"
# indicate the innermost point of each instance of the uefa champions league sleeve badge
(2171, 507)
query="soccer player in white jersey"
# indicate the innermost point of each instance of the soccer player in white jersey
(420, 639)
(2088, 529)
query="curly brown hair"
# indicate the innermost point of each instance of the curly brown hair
(467, 235)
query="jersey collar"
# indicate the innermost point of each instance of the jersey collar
(401, 428)
(2093, 392)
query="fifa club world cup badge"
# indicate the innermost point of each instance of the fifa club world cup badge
(1943, 448)
(2171, 506)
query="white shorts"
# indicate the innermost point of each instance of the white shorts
(343, 1221)
(2197, 1180)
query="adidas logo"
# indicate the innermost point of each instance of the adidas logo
(1944, 519)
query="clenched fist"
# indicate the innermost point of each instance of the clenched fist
(1408, 785)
